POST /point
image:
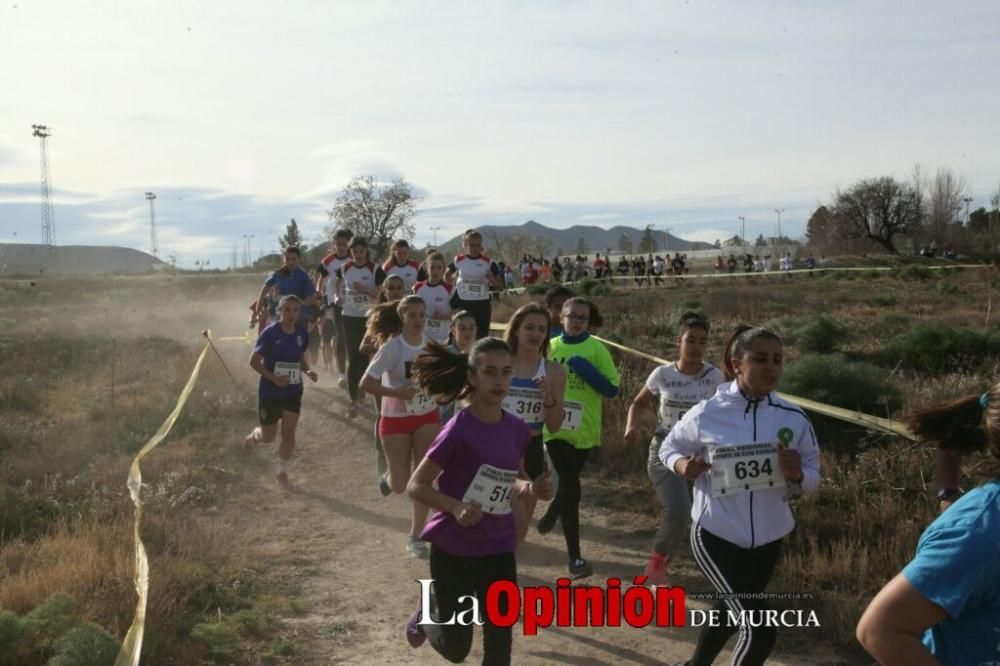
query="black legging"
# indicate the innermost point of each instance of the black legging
(455, 577)
(340, 341)
(732, 571)
(357, 363)
(568, 461)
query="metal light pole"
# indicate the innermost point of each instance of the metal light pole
(666, 239)
(246, 249)
(779, 211)
(435, 230)
(968, 201)
(48, 215)
(743, 229)
(153, 246)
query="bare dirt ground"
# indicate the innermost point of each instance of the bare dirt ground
(342, 545)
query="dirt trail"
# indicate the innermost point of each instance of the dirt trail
(343, 545)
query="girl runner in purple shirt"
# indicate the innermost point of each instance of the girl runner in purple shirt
(476, 460)
(280, 359)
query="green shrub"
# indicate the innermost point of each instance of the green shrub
(23, 514)
(832, 379)
(220, 638)
(937, 347)
(11, 636)
(592, 287)
(44, 625)
(915, 272)
(87, 645)
(884, 301)
(822, 335)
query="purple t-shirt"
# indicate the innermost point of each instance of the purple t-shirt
(465, 443)
(283, 350)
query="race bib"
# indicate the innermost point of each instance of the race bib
(290, 370)
(745, 467)
(491, 489)
(526, 404)
(358, 301)
(572, 415)
(473, 291)
(437, 329)
(421, 403)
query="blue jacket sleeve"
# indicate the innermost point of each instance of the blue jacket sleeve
(588, 373)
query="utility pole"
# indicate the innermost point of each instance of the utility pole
(48, 215)
(153, 246)
(246, 249)
(666, 239)
(743, 229)
(435, 230)
(779, 211)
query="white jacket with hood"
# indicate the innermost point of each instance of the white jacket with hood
(729, 418)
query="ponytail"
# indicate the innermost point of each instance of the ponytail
(384, 321)
(957, 424)
(445, 374)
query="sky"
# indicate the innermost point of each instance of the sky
(683, 115)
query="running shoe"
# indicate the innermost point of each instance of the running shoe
(283, 480)
(249, 442)
(547, 522)
(656, 571)
(415, 635)
(342, 382)
(580, 568)
(416, 547)
(352, 409)
(384, 487)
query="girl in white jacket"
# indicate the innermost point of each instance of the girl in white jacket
(748, 452)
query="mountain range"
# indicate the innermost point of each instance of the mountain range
(537, 239)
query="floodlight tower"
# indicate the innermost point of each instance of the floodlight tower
(153, 247)
(48, 216)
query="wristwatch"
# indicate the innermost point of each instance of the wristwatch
(949, 494)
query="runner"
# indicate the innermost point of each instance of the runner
(360, 280)
(679, 387)
(461, 337)
(334, 340)
(555, 297)
(474, 275)
(949, 594)
(761, 451)
(289, 279)
(400, 264)
(392, 290)
(677, 265)
(279, 358)
(591, 376)
(473, 536)
(537, 387)
(437, 295)
(731, 263)
(658, 266)
(408, 418)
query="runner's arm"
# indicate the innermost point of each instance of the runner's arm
(257, 363)
(894, 622)
(557, 383)
(642, 401)
(420, 489)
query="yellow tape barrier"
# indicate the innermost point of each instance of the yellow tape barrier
(858, 418)
(132, 645)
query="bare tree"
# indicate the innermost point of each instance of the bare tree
(542, 246)
(944, 199)
(879, 209)
(378, 211)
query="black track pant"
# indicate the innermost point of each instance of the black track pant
(340, 341)
(733, 571)
(357, 363)
(568, 461)
(455, 576)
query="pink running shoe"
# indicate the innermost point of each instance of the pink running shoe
(656, 571)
